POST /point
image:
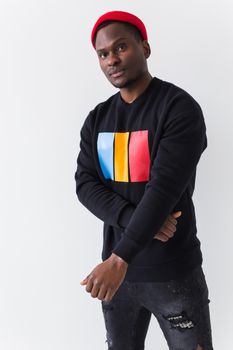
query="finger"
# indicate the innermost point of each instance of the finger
(102, 293)
(89, 284)
(177, 214)
(168, 229)
(172, 220)
(170, 223)
(161, 237)
(167, 232)
(84, 282)
(165, 235)
(169, 226)
(95, 289)
(109, 295)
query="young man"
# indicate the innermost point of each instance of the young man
(136, 172)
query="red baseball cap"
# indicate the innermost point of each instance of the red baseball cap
(120, 16)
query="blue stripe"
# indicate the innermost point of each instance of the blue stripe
(105, 153)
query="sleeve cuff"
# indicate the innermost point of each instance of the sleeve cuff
(127, 249)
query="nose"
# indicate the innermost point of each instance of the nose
(113, 59)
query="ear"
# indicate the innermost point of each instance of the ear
(146, 48)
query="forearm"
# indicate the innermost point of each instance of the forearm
(104, 203)
(174, 165)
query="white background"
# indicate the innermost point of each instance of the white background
(49, 80)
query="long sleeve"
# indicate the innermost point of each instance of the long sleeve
(104, 203)
(182, 142)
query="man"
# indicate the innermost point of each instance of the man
(136, 172)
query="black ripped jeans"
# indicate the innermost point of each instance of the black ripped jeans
(181, 307)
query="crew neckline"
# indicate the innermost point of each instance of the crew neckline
(141, 96)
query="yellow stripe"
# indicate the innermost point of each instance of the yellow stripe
(121, 156)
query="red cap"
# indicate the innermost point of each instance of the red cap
(120, 16)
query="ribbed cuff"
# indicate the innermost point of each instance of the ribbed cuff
(127, 249)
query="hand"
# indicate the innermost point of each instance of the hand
(169, 227)
(106, 278)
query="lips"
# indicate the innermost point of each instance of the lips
(116, 73)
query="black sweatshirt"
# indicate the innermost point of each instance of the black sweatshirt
(136, 165)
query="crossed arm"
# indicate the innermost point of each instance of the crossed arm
(180, 148)
(104, 280)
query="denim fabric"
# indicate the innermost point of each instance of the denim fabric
(180, 306)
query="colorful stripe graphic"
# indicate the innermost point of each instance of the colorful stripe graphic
(139, 156)
(124, 156)
(105, 152)
(121, 156)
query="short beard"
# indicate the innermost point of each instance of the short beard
(124, 85)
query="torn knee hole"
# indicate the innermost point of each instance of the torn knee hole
(180, 322)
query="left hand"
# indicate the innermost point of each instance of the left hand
(168, 229)
(106, 278)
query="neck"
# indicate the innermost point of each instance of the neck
(130, 93)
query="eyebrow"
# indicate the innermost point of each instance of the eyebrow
(114, 43)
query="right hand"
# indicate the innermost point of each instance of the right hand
(169, 227)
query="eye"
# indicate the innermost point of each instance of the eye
(102, 55)
(121, 47)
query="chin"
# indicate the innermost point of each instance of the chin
(120, 84)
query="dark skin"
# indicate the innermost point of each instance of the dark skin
(123, 60)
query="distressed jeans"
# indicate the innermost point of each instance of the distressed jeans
(180, 306)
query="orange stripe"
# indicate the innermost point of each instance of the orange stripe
(121, 156)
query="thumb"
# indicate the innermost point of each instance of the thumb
(177, 214)
(84, 282)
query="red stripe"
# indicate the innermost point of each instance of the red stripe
(139, 156)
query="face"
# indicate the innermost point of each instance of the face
(122, 58)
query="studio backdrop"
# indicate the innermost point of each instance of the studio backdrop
(49, 81)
